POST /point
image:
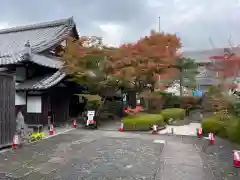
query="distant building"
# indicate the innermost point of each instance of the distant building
(206, 78)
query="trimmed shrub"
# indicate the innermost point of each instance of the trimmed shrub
(142, 122)
(233, 132)
(215, 126)
(173, 113)
(225, 126)
(221, 124)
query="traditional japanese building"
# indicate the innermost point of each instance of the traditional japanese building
(30, 54)
(203, 58)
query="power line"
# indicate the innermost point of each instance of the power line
(211, 42)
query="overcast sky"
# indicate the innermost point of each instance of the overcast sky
(121, 21)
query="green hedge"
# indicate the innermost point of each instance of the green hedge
(223, 127)
(142, 122)
(215, 126)
(233, 132)
(174, 113)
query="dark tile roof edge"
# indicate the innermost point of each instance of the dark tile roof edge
(54, 62)
(14, 58)
(68, 21)
(42, 83)
(47, 61)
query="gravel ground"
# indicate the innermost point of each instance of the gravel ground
(220, 159)
(112, 155)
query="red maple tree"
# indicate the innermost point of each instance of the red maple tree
(141, 62)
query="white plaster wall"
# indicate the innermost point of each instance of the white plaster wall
(20, 98)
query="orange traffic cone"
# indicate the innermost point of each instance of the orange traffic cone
(155, 129)
(51, 130)
(74, 123)
(236, 158)
(16, 142)
(121, 128)
(211, 138)
(199, 132)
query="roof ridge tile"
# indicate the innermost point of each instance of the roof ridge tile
(47, 24)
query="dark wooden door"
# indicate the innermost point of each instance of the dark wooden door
(7, 109)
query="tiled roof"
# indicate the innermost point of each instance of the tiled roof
(51, 62)
(204, 55)
(40, 37)
(206, 81)
(41, 83)
(12, 59)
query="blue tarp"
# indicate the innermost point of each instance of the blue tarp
(197, 93)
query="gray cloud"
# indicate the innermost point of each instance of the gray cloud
(127, 20)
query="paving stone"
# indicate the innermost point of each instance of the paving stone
(181, 172)
(115, 155)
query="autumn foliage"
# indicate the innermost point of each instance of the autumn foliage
(137, 65)
(142, 61)
(80, 55)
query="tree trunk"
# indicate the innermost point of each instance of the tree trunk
(152, 89)
(131, 99)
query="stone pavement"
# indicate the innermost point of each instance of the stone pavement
(95, 154)
(182, 162)
(58, 130)
(186, 130)
(111, 125)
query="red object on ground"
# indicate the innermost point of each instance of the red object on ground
(121, 128)
(155, 129)
(199, 132)
(211, 138)
(236, 158)
(51, 130)
(74, 123)
(16, 141)
(137, 109)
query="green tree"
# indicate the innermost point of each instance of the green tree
(85, 63)
(188, 69)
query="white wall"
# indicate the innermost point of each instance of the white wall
(203, 72)
(34, 104)
(20, 98)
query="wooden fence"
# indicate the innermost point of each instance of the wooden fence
(7, 109)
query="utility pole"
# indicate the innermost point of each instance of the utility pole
(159, 23)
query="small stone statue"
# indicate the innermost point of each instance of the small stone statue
(21, 126)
